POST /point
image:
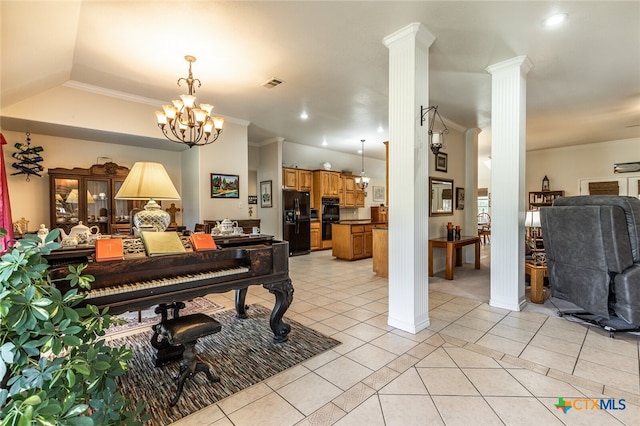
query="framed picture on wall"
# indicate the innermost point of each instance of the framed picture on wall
(459, 198)
(266, 199)
(441, 162)
(225, 186)
(378, 193)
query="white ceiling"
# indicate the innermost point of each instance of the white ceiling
(584, 87)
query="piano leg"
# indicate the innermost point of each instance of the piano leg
(283, 292)
(241, 308)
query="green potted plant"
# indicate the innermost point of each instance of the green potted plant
(54, 364)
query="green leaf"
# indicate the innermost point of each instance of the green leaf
(41, 302)
(50, 410)
(71, 378)
(32, 400)
(82, 369)
(76, 410)
(71, 340)
(40, 313)
(101, 365)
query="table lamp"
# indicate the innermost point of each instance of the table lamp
(149, 181)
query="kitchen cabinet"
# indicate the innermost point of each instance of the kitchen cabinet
(87, 195)
(352, 241)
(350, 195)
(316, 240)
(298, 179)
(326, 183)
(379, 214)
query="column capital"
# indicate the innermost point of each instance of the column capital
(415, 30)
(522, 62)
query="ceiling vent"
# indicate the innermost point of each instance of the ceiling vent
(272, 82)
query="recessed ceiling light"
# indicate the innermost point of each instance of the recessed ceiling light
(304, 115)
(324, 143)
(380, 129)
(555, 20)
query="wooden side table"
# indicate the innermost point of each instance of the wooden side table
(453, 248)
(537, 274)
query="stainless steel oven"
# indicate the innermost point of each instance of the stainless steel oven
(330, 215)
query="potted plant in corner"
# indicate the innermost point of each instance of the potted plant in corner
(55, 367)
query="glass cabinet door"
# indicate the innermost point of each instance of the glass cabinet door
(122, 207)
(66, 202)
(98, 199)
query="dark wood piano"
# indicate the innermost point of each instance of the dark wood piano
(142, 282)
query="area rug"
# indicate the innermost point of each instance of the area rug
(242, 354)
(148, 317)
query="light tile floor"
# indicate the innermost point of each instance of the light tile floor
(474, 365)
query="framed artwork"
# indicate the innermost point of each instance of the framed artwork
(266, 199)
(459, 198)
(253, 199)
(225, 186)
(378, 193)
(441, 162)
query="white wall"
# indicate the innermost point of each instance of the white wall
(228, 155)
(566, 165)
(270, 170)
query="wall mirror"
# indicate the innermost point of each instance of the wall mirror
(441, 201)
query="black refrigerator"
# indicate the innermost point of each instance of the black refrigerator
(296, 225)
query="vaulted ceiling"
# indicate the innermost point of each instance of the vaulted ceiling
(584, 87)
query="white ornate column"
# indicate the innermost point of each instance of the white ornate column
(408, 177)
(508, 139)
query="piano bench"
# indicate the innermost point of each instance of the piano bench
(186, 331)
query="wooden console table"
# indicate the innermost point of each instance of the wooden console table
(451, 246)
(537, 274)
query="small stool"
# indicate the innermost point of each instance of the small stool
(186, 331)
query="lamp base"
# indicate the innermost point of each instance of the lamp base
(152, 216)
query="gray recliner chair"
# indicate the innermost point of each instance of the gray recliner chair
(592, 245)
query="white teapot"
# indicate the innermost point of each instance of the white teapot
(227, 226)
(81, 234)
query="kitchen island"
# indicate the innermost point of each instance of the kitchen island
(353, 239)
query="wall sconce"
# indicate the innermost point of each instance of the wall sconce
(436, 137)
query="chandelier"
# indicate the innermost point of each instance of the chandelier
(363, 180)
(436, 137)
(185, 121)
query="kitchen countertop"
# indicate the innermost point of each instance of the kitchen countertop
(359, 222)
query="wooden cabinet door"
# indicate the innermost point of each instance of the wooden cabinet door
(326, 184)
(349, 199)
(289, 178)
(305, 180)
(357, 245)
(349, 183)
(359, 199)
(334, 184)
(368, 244)
(315, 236)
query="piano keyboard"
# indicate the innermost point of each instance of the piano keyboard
(125, 288)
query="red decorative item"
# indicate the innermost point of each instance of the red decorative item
(5, 203)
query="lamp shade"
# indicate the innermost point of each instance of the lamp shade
(532, 219)
(147, 180)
